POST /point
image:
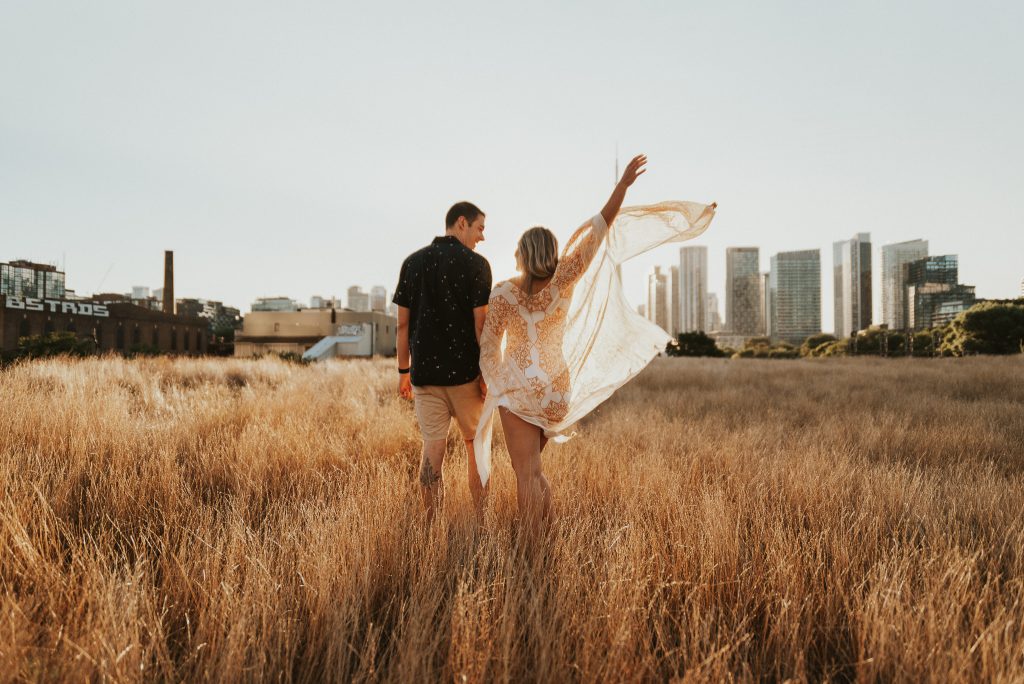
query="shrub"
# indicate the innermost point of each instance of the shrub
(815, 344)
(55, 344)
(986, 328)
(693, 344)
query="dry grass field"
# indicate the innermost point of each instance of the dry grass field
(844, 520)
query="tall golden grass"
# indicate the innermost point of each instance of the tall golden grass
(858, 519)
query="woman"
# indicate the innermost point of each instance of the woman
(570, 338)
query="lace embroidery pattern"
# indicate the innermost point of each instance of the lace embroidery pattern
(533, 367)
(553, 356)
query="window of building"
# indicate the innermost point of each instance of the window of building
(24, 329)
(97, 334)
(120, 336)
(136, 336)
(71, 327)
(188, 340)
(48, 328)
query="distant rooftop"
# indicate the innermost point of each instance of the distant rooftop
(24, 263)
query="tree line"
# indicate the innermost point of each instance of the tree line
(990, 327)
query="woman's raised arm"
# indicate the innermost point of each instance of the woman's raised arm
(634, 169)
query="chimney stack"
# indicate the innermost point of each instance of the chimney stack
(169, 282)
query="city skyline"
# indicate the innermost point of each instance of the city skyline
(921, 291)
(670, 290)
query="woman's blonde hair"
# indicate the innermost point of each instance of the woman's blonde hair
(537, 255)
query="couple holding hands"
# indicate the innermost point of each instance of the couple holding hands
(542, 349)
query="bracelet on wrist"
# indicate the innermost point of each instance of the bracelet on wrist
(403, 371)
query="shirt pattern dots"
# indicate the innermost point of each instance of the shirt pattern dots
(441, 284)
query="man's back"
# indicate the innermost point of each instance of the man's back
(441, 284)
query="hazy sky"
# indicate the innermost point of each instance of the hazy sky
(299, 148)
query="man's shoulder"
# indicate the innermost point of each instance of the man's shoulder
(418, 255)
(478, 259)
(467, 255)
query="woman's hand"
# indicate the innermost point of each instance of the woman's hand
(634, 169)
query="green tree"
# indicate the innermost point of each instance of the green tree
(986, 328)
(923, 343)
(693, 344)
(55, 344)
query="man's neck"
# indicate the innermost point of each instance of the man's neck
(451, 233)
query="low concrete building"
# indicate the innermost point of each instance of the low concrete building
(369, 333)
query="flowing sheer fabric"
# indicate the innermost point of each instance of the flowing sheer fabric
(553, 356)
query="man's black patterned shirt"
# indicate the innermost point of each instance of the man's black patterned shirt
(441, 284)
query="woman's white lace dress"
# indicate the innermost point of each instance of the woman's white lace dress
(552, 356)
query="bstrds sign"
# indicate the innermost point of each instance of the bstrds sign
(58, 306)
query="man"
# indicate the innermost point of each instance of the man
(442, 300)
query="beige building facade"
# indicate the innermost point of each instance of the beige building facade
(275, 332)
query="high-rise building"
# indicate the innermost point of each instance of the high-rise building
(672, 300)
(941, 270)
(378, 298)
(742, 290)
(894, 286)
(140, 292)
(357, 299)
(851, 269)
(934, 295)
(693, 290)
(657, 298)
(713, 320)
(1022, 287)
(795, 293)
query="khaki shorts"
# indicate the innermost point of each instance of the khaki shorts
(437, 405)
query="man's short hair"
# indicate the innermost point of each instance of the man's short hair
(466, 210)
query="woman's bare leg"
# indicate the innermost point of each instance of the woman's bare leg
(477, 490)
(525, 442)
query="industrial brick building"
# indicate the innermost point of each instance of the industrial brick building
(27, 310)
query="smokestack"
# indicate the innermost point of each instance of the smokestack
(168, 281)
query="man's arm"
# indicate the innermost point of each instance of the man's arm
(479, 314)
(402, 352)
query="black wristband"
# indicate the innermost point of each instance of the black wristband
(403, 371)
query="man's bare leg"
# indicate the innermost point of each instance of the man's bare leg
(477, 490)
(431, 484)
